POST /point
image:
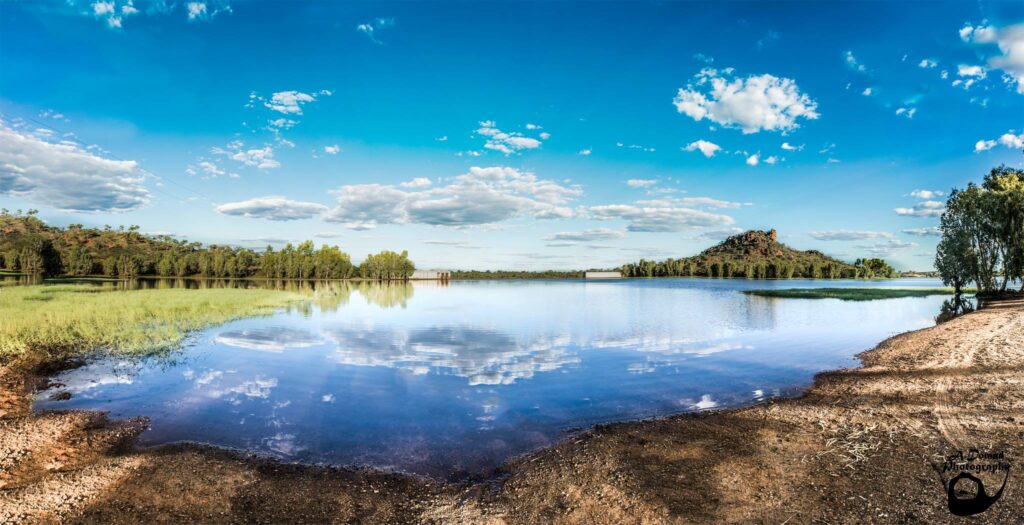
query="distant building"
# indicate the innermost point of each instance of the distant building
(431, 275)
(604, 275)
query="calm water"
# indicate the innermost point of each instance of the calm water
(451, 380)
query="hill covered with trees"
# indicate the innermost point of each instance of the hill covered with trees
(759, 255)
(29, 245)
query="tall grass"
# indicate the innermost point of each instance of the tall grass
(51, 322)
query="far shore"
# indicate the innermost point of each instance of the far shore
(863, 444)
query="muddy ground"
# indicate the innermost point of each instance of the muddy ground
(864, 445)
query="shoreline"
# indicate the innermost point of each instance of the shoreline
(859, 442)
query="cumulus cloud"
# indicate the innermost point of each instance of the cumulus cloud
(923, 209)
(262, 158)
(418, 182)
(1008, 139)
(756, 103)
(332, 150)
(597, 234)
(707, 202)
(1009, 40)
(507, 143)
(707, 148)
(931, 231)
(67, 177)
(965, 70)
(209, 170)
(585, 152)
(849, 235)
(867, 92)
(641, 183)
(114, 12)
(926, 194)
(481, 196)
(789, 147)
(291, 102)
(370, 29)
(753, 160)
(927, 63)
(273, 208)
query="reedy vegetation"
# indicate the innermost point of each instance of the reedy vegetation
(28, 245)
(47, 323)
(983, 233)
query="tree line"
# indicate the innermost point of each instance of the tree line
(771, 269)
(28, 245)
(983, 234)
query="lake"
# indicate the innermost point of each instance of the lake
(451, 380)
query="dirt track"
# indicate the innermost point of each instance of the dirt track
(863, 445)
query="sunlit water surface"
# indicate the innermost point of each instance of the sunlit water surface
(452, 380)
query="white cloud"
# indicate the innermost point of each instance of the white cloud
(196, 10)
(332, 150)
(756, 103)
(291, 102)
(667, 202)
(210, 169)
(771, 159)
(789, 147)
(849, 235)
(273, 208)
(867, 92)
(370, 29)
(643, 218)
(965, 70)
(585, 152)
(923, 209)
(984, 145)
(852, 62)
(67, 177)
(327, 235)
(927, 63)
(707, 148)
(907, 112)
(926, 194)
(597, 234)
(481, 196)
(1008, 139)
(261, 158)
(506, 143)
(887, 247)
(418, 182)
(931, 231)
(641, 183)
(753, 160)
(1012, 141)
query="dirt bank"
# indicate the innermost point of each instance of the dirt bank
(865, 445)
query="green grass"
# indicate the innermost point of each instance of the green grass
(44, 323)
(850, 294)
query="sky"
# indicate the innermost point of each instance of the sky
(510, 135)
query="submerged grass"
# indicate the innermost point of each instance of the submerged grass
(45, 323)
(850, 294)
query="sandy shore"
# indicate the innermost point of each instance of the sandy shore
(865, 445)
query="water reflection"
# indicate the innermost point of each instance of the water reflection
(483, 357)
(449, 381)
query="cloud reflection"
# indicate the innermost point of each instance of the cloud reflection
(272, 339)
(484, 357)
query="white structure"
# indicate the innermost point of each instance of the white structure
(604, 275)
(431, 275)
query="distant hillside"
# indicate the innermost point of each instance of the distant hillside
(759, 255)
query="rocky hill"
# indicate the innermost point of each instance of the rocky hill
(759, 255)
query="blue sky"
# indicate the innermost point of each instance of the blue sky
(510, 135)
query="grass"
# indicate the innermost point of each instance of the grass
(850, 294)
(45, 323)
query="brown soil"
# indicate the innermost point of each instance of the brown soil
(863, 445)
